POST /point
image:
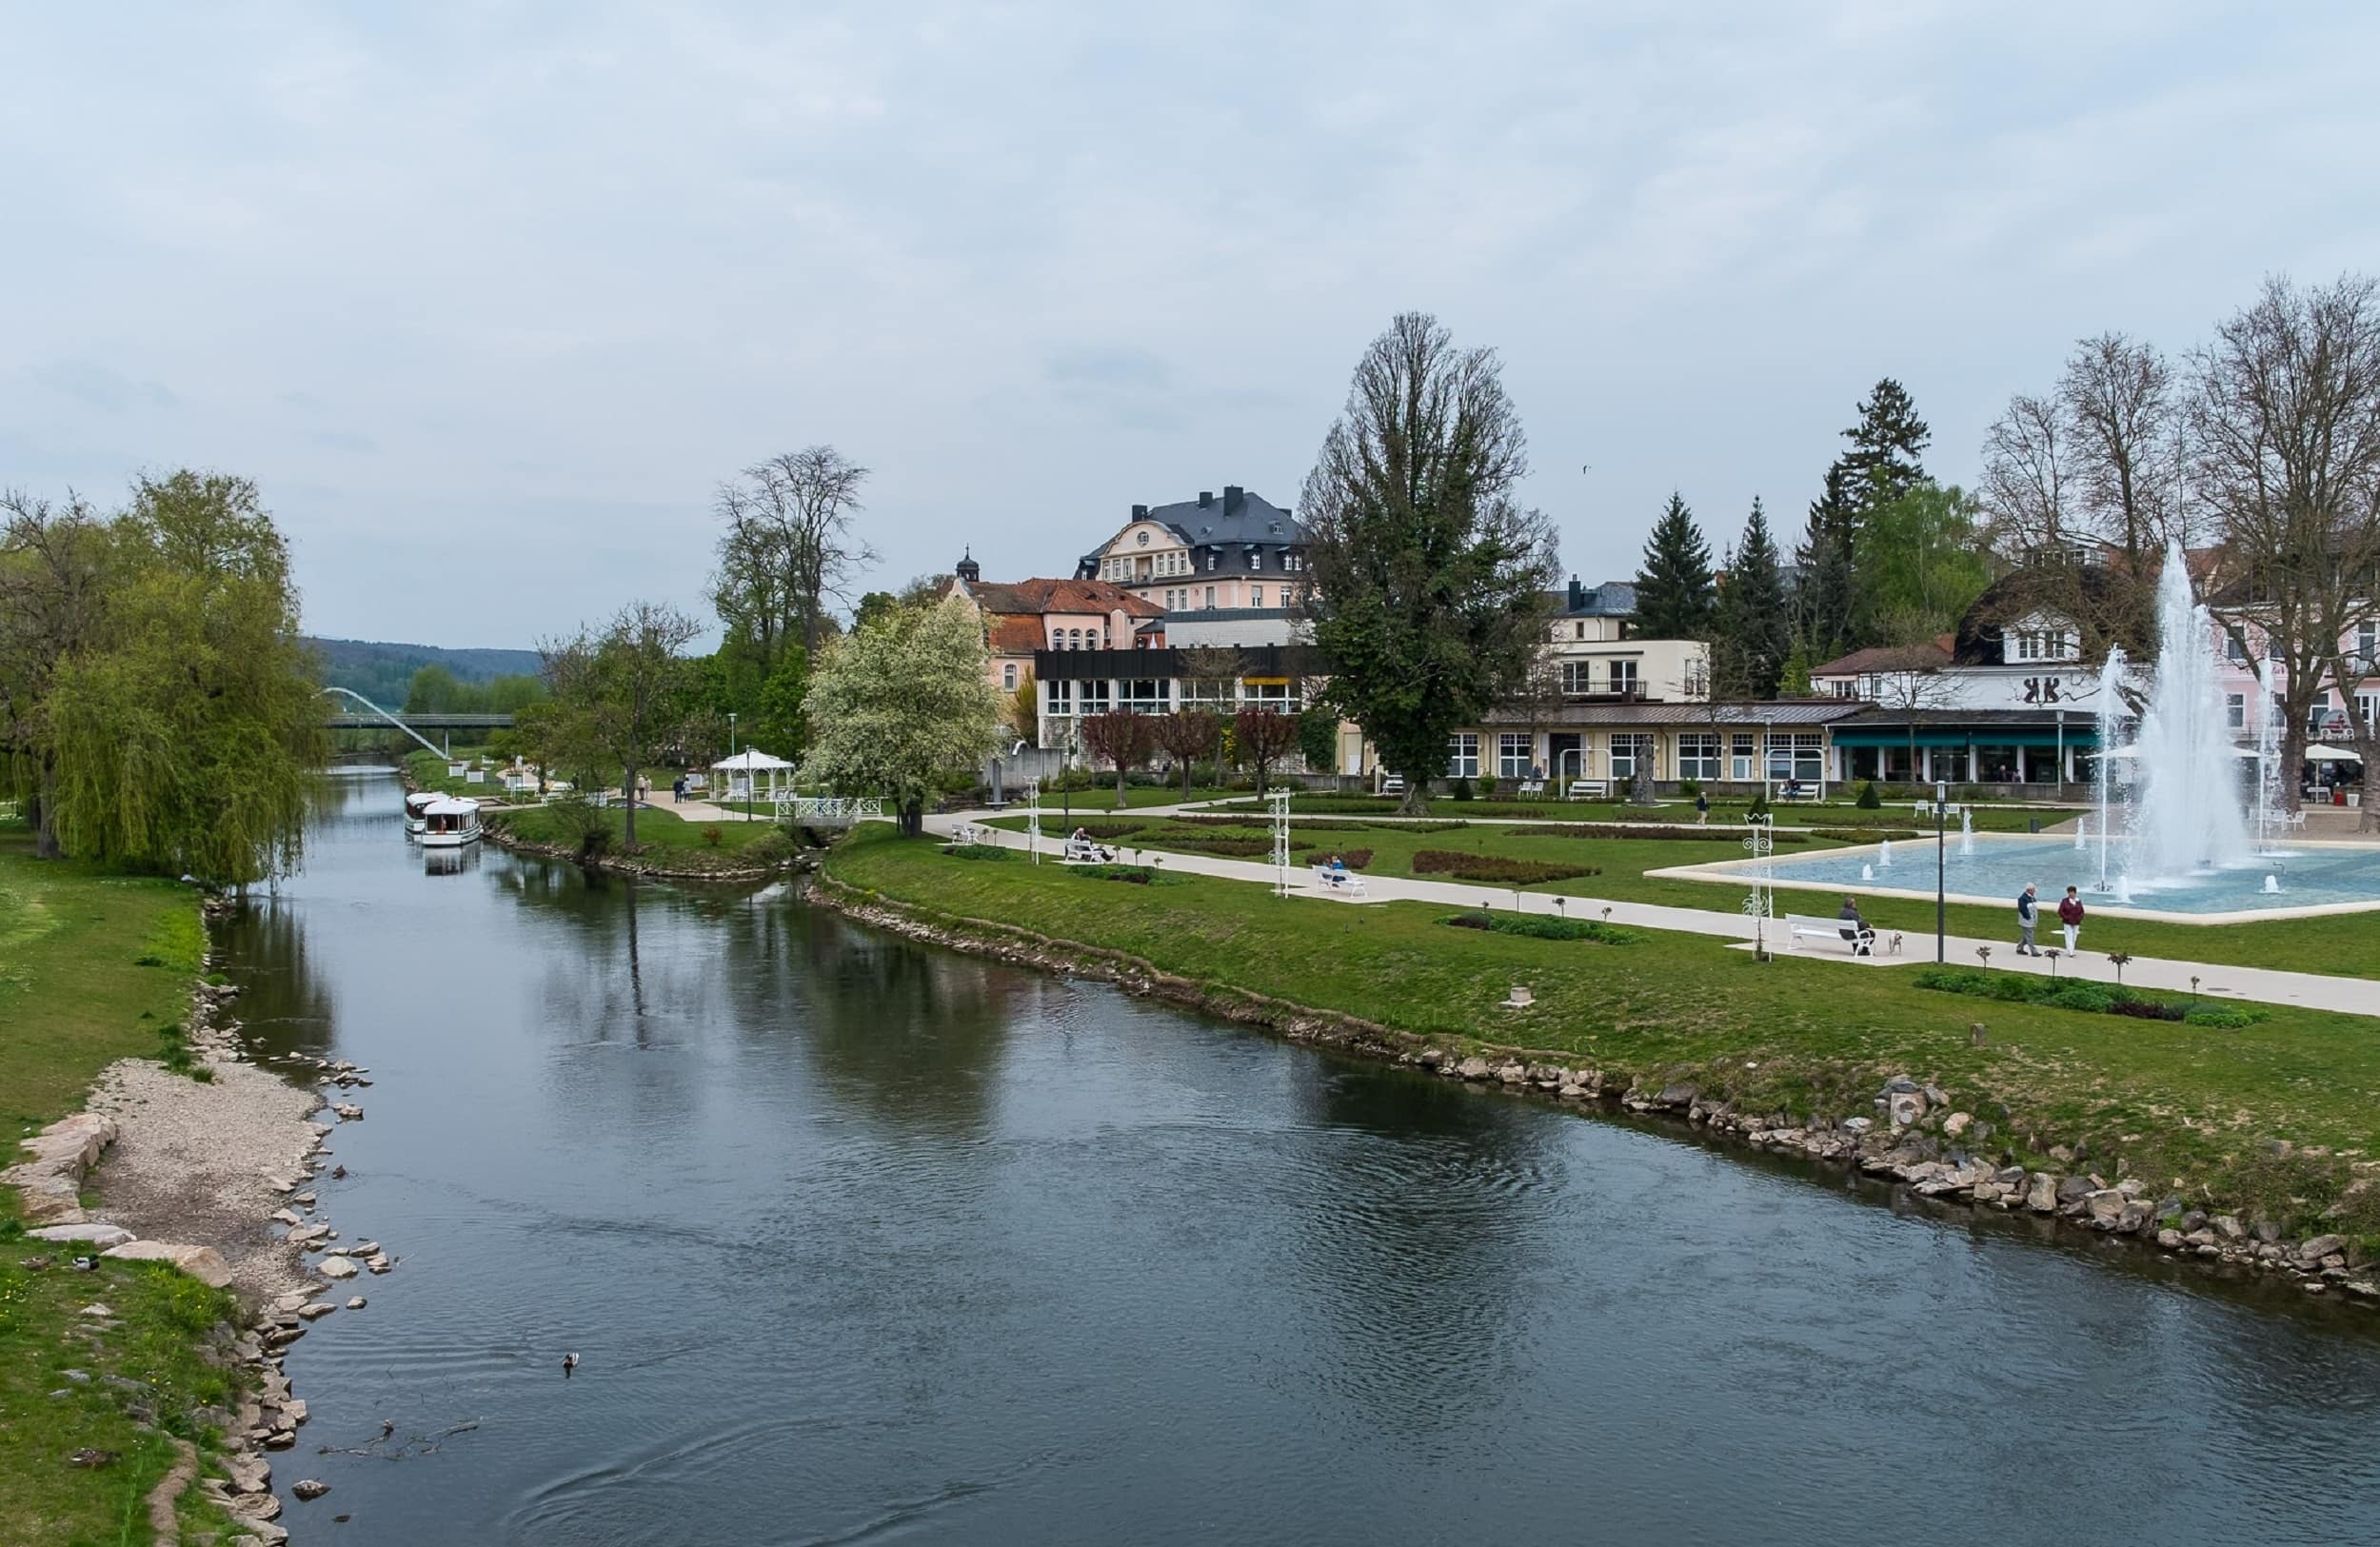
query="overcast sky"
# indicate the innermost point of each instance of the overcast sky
(488, 298)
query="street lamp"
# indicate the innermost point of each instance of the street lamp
(2061, 756)
(1941, 830)
(731, 764)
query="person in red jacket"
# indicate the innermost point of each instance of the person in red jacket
(2069, 918)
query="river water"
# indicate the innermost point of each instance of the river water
(865, 1243)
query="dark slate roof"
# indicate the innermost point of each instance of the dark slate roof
(1232, 521)
(1612, 598)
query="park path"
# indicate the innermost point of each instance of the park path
(2313, 991)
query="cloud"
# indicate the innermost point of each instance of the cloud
(111, 392)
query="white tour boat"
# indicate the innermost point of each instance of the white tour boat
(448, 822)
(416, 805)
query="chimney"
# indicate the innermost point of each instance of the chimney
(1578, 594)
(1234, 497)
(1140, 511)
(968, 569)
(1206, 499)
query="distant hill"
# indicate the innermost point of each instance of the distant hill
(382, 672)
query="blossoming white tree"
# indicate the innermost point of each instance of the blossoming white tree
(899, 702)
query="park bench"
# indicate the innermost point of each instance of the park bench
(1083, 851)
(1798, 926)
(1532, 786)
(1590, 789)
(1345, 883)
(968, 832)
(1393, 785)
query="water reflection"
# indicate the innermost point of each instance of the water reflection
(865, 1243)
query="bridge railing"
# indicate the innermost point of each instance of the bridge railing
(827, 810)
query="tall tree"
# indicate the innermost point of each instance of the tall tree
(1754, 626)
(788, 551)
(2024, 493)
(1920, 563)
(1429, 579)
(629, 692)
(1883, 462)
(2123, 421)
(2287, 420)
(55, 565)
(1826, 601)
(1121, 739)
(182, 729)
(1675, 594)
(901, 703)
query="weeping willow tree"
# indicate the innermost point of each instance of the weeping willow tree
(178, 728)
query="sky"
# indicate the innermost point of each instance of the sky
(488, 298)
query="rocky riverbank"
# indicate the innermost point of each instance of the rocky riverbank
(213, 1171)
(1913, 1135)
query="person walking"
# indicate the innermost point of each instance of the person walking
(2028, 915)
(1702, 809)
(2069, 917)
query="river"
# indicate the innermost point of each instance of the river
(865, 1243)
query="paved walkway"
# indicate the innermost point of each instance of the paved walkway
(2350, 996)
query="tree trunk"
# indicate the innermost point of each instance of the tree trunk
(1416, 801)
(1121, 802)
(2367, 820)
(1185, 777)
(41, 815)
(628, 790)
(2292, 759)
(913, 817)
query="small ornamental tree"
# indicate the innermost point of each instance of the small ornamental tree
(1121, 739)
(901, 703)
(1185, 736)
(1318, 739)
(1262, 739)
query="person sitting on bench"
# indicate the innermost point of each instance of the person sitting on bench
(1855, 928)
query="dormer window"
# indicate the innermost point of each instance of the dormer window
(1256, 558)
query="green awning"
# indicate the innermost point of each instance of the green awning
(2084, 735)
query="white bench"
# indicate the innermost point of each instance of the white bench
(1590, 789)
(1083, 851)
(1393, 785)
(1798, 926)
(1532, 786)
(1345, 883)
(967, 832)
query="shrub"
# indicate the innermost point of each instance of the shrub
(1462, 789)
(1138, 875)
(1536, 926)
(1496, 867)
(774, 847)
(1759, 806)
(1690, 787)
(713, 836)
(981, 851)
(1868, 800)
(580, 824)
(2144, 1009)
(1232, 848)
(2222, 1017)
(2075, 994)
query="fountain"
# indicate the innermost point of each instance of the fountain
(2123, 890)
(2187, 817)
(2273, 885)
(2082, 835)
(1966, 833)
(1884, 854)
(2268, 754)
(1867, 872)
(2110, 737)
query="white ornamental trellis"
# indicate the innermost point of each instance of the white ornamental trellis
(1033, 819)
(1760, 843)
(819, 810)
(1279, 803)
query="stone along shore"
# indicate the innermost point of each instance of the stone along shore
(216, 1178)
(1913, 1137)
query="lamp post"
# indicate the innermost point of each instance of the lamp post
(1941, 830)
(2061, 757)
(731, 763)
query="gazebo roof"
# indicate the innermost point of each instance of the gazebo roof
(751, 759)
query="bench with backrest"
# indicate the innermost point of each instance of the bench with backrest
(967, 833)
(1532, 786)
(1083, 851)
(1800, 927)
(1345, 883)
(1590, 789)
(1392, 784)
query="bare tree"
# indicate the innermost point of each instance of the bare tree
(789, 550)
(1121, 739)
(1260, 738)
(2286, 418)
(1187, 735)
(629, 693)
(2123, 421)
(2023, 490)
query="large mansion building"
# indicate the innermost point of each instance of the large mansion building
(1227, 571)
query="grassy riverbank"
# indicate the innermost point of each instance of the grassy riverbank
(93, 967)
(2338, 944)
(664, 840)
(2192, 1109)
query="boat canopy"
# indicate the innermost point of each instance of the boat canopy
(445, 806)
(419, 801)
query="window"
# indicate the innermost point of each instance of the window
(1623, 676)
(1292, 561)
(1008, 676)
(1631, 748)
(1255, 596)
(1740, 765)
(2317, 713)
(1260, 694)
(1463, 755)
(2235, 710)
(1795, 754)
(1698, 754)
(2235, 647)
(2367, 709)
(2367, 646)
(1093, 696)
(1058, 697)
(1256, 558)
(1145, 695)
(1511, 754)
(1207, 693)
(1210, 597)
(1581, 630)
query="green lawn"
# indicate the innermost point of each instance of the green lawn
(2339, 945)
(1894, 817)
(1103, 796)
(93, 967)
(661, 836)
(2189, 1105)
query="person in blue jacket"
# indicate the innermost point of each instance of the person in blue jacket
(2028, 915)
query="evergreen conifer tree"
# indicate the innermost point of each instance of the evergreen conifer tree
(1825, 602)
(1675, 596)
(1754, 626)
(1882, 463)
